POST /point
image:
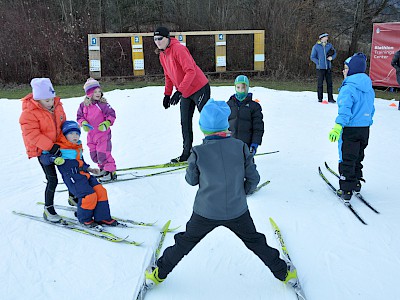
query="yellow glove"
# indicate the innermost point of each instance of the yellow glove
(59, 161)
(334, 134)
(103, 126)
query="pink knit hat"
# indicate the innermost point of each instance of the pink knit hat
(90, 85)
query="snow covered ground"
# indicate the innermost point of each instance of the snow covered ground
(336, 256)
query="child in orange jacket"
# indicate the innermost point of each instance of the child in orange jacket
(41, 119)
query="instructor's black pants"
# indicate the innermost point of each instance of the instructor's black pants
(188, 105)
(327, 75)
(198, 227)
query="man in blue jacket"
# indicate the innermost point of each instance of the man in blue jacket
(356, 110)
(322, 55)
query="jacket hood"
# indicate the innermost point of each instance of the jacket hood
(65, 144)
(360, 81)
(28, 103)
(172, 41)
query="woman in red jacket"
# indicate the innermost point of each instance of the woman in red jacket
(41, 119)
(191, 85)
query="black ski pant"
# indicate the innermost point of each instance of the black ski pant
(188, 106)
(354, 141)
(327, 75)
(198, 227)
(52, 181)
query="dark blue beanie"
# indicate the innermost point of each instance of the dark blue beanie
(357, 63)
(214, 116)
(70, 126)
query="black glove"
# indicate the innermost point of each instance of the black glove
(166, 101)
(175, 98)
(330, 53)
(55, 150)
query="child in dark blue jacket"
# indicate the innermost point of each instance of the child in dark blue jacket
(92, 197)
(356, 110)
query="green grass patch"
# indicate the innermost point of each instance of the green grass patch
(76, 90)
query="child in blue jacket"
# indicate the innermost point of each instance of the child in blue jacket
(93, 208)
(356, 110)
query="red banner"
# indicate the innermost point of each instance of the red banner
(385, 42)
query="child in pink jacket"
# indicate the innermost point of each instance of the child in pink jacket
(96, 116)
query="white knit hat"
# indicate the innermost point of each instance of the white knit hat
(42, 89)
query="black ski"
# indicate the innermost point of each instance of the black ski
(334, 190)
(357, 194)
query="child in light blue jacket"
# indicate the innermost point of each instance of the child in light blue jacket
(356, 110)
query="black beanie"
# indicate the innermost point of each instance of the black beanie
(162, 31)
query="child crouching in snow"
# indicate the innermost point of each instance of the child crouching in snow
(92, 197)
(224, 170)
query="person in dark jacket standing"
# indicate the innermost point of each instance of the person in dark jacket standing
(224, 170)
(246, 118)
(396, 64)
(355, 112)
(191, 85)
(322, 55)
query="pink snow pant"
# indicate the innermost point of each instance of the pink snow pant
(99, 143)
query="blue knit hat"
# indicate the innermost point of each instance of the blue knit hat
(357, 63)
(70, 126)
(214, 116)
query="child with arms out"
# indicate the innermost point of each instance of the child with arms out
(96, 116)
(93, 207)
(224, 170)
(246, 118)
(41, 119)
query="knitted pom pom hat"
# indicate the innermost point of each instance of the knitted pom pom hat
(90, 85)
